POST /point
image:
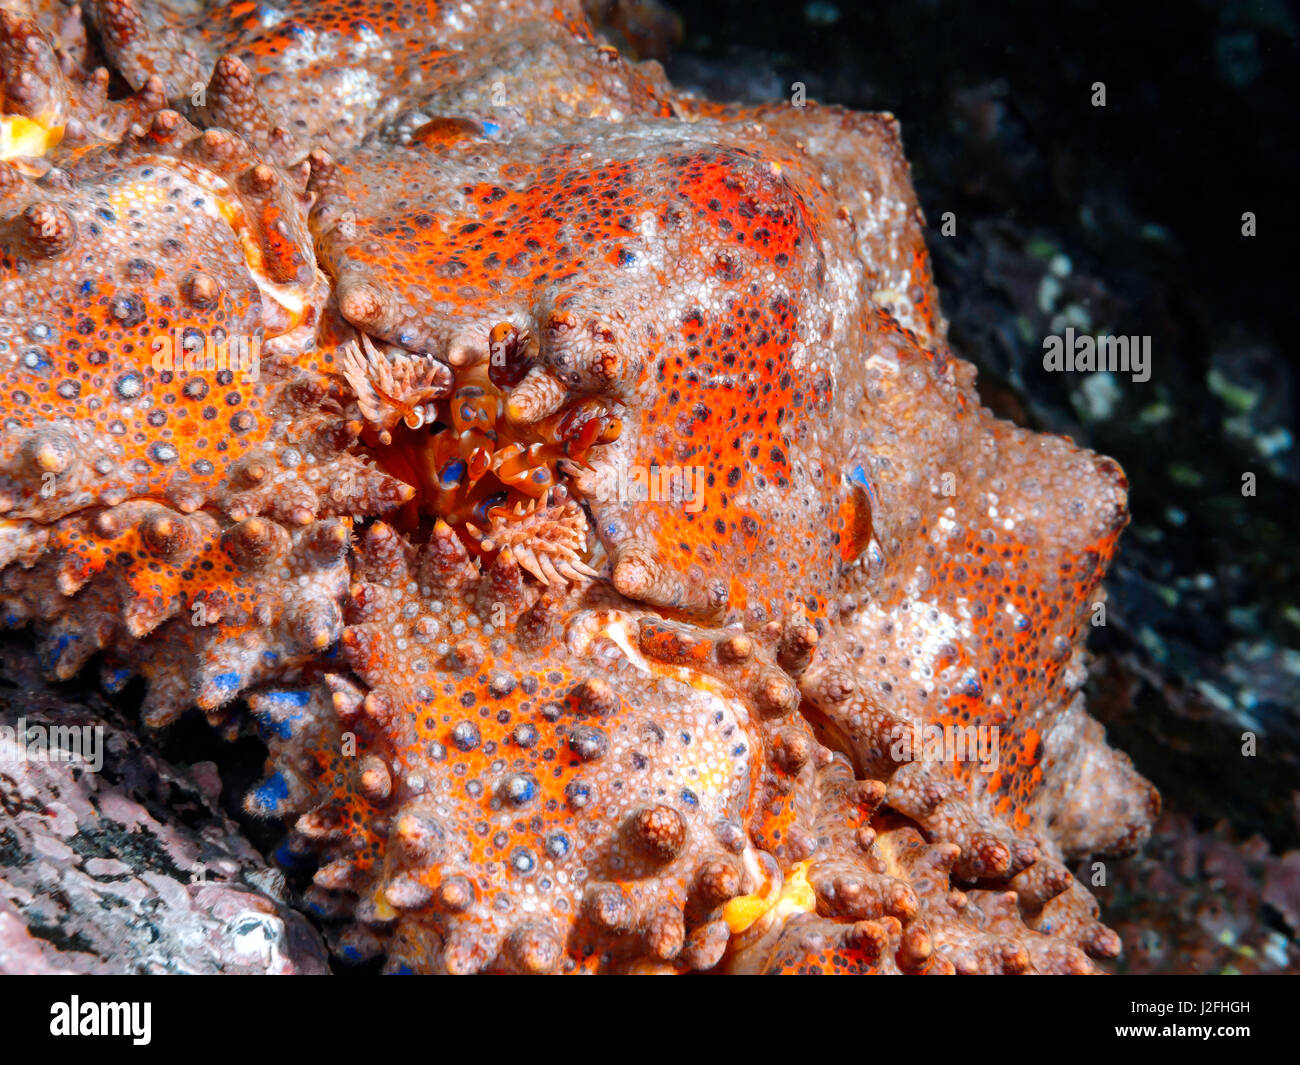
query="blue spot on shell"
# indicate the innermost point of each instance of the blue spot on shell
(114, 680)
(557, 845)
(286, 698)
(519, 788)
(858, 476)
(271, 795)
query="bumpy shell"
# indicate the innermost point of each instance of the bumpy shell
(571, 477)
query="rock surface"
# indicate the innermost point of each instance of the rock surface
(132, 869)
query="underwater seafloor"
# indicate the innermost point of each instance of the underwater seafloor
(1125, 220)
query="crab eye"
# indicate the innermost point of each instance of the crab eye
(451, 475)
(484, 509)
